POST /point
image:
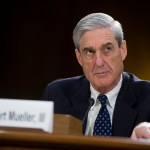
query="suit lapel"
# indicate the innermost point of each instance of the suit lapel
(79, 100)
(81, 106)
(124, 116)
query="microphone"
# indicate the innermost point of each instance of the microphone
(91, 102)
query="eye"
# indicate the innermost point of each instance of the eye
(89, 53)
(107, 49)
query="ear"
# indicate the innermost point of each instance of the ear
(123, 50)
(78, 56)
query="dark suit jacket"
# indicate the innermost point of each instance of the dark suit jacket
(132, 107)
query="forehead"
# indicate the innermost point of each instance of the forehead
(97, 36)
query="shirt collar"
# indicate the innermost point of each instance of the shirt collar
(111, 95)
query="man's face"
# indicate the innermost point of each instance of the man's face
(101, 58)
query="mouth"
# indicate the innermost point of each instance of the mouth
(101, 73)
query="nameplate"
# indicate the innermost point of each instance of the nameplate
(27, 114)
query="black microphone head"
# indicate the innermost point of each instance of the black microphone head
(91, 101)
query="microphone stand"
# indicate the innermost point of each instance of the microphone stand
(91, 102)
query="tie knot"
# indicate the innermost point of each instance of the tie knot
(102, 98)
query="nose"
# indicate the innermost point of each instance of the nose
(99, 59)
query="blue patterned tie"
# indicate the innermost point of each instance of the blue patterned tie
(102, 124)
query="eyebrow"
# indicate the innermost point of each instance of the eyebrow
(101, 47)
(105, 45)
(88, 48)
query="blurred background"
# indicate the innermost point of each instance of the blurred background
(36, 41)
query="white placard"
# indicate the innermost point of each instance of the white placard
(27, 114)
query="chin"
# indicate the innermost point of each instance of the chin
(103, 83)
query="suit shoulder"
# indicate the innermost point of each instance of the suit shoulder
(136, 83)
(70, 80)
(65, 87)
(69, 84)
(133, 78)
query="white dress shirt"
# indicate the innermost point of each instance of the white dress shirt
(93, 112)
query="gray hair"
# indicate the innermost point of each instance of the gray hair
(94, 21)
